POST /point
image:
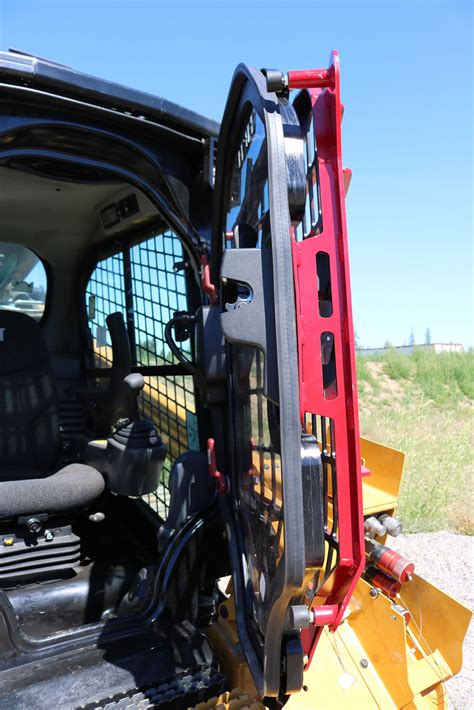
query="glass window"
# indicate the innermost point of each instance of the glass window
(23, 281)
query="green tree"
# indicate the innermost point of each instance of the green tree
(428, 336)
(146, 352)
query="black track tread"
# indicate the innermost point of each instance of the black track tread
(181, 691)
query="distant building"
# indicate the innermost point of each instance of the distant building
(408, 349)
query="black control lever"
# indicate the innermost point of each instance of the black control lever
(134, 384)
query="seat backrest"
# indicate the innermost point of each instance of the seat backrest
(29, 424)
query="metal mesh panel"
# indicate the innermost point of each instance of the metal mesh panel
(157, 291)
(323, 429)
(311, 224)
(259, 481)
(107, 291)
(169, 402)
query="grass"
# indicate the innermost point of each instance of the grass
(422, 405)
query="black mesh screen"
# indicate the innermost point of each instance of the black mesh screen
(105, 294)
(323, 430)
(158, 290)
(311, 224)
(259, 483)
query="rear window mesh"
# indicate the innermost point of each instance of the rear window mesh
(158, 290)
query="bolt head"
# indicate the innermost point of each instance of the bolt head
(364, 663)
(34, 526)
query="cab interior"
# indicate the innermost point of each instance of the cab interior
(103, 479)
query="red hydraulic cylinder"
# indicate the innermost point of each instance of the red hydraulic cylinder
(388, 586)
(389, 562)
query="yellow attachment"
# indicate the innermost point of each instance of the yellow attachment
(376, 660)
(380, 490)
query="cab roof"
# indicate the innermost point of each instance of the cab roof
(25, 70)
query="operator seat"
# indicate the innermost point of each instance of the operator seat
(31, 477)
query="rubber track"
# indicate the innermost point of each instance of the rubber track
(177, 693)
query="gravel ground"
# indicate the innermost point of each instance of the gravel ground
(447, 560)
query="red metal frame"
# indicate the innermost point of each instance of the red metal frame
(327, 113)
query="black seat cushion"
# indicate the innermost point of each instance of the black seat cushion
(23, 492)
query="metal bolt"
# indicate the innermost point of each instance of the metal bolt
(374, 592)
(364, 663)
(33, 525)
(48, 535)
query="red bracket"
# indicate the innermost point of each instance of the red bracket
(220, 479)
(339, 405)
(207, 286)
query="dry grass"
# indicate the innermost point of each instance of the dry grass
(435, 432)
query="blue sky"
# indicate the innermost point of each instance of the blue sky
(407, 89)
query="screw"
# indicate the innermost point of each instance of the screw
(48, 535)
(364, 663)
(374, 592)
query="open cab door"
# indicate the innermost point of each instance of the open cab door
(292, 507)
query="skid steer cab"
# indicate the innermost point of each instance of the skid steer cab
(188, 516)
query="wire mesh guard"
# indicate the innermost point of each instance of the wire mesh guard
(259, 481)
(157, 292)
(323, 429)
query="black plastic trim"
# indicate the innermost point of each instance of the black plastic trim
(42, 74)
